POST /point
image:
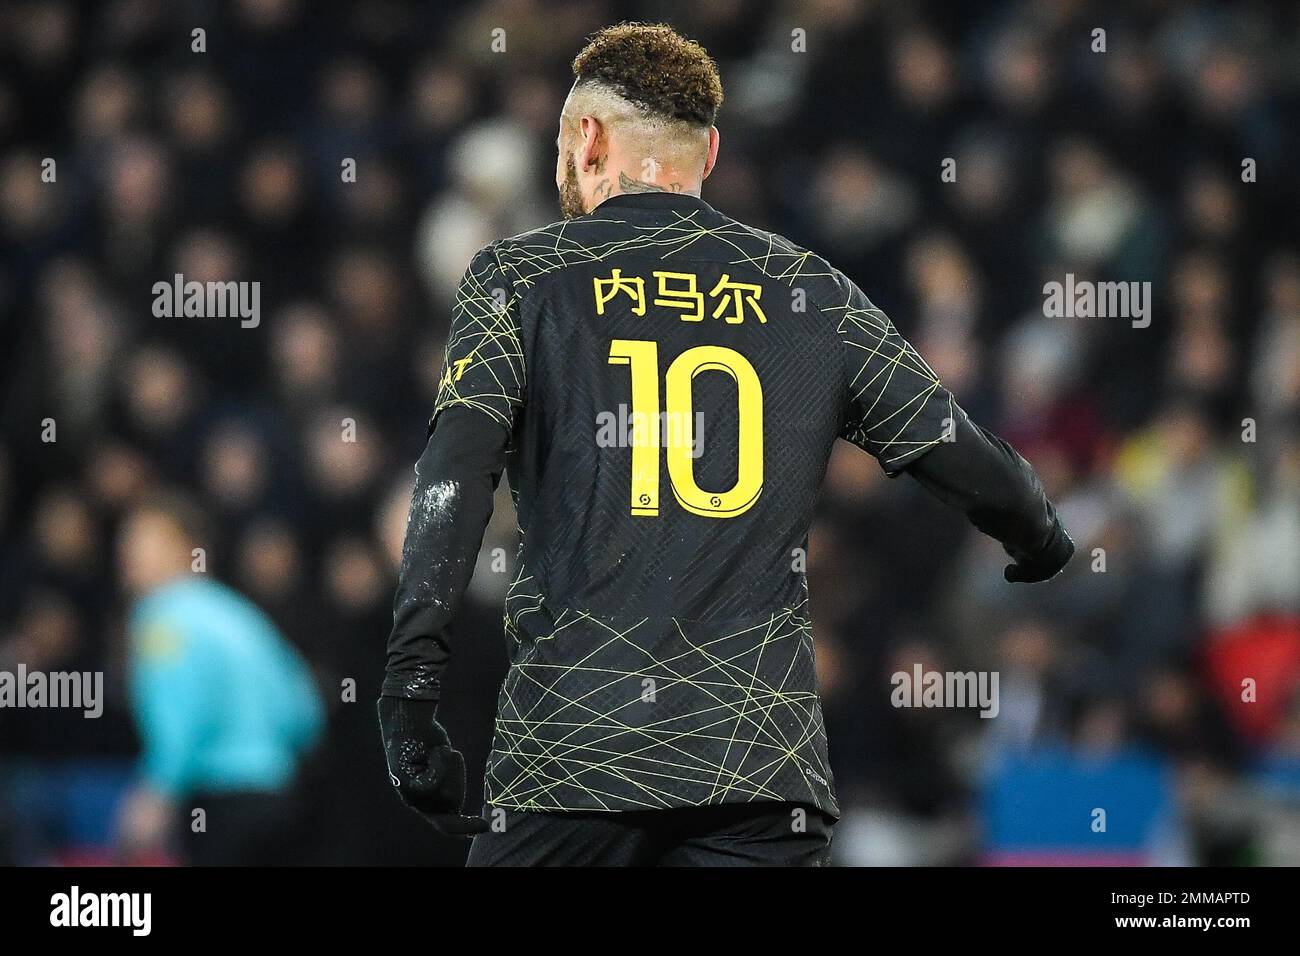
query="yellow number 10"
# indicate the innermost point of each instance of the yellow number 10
(642, 358)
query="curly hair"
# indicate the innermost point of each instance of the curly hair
(655, 67)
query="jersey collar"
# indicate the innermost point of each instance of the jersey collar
(680, 202)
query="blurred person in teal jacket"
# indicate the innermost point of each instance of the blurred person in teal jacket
(225, 707)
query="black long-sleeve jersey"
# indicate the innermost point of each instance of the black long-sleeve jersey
(670, 383)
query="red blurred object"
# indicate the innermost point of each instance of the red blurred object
(1072, 427)
(103, 857)
(1265, 649)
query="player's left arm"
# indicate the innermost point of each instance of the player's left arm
(451, 503)
(481, 388)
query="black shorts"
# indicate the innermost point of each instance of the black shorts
(755, 834)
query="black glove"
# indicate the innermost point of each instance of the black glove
(1045, 563)
(428, 774)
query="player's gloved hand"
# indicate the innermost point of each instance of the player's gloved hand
(1045, 563)
(429, 775)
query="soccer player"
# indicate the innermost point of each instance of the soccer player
(664, 385)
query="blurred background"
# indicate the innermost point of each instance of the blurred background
(1121, 683)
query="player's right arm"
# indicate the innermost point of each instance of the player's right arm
(1000, 493)
(899, 411)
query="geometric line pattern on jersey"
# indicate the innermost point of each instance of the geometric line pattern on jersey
(485, 342)
(733, 714)
(580, 735)
(886, 356)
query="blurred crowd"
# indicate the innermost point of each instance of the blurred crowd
(1173, 451)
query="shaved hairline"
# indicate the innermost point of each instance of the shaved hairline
(630, 121)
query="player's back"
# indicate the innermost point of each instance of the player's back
(674, 381)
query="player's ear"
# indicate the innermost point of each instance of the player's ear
(714, 139)
(594, 143)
